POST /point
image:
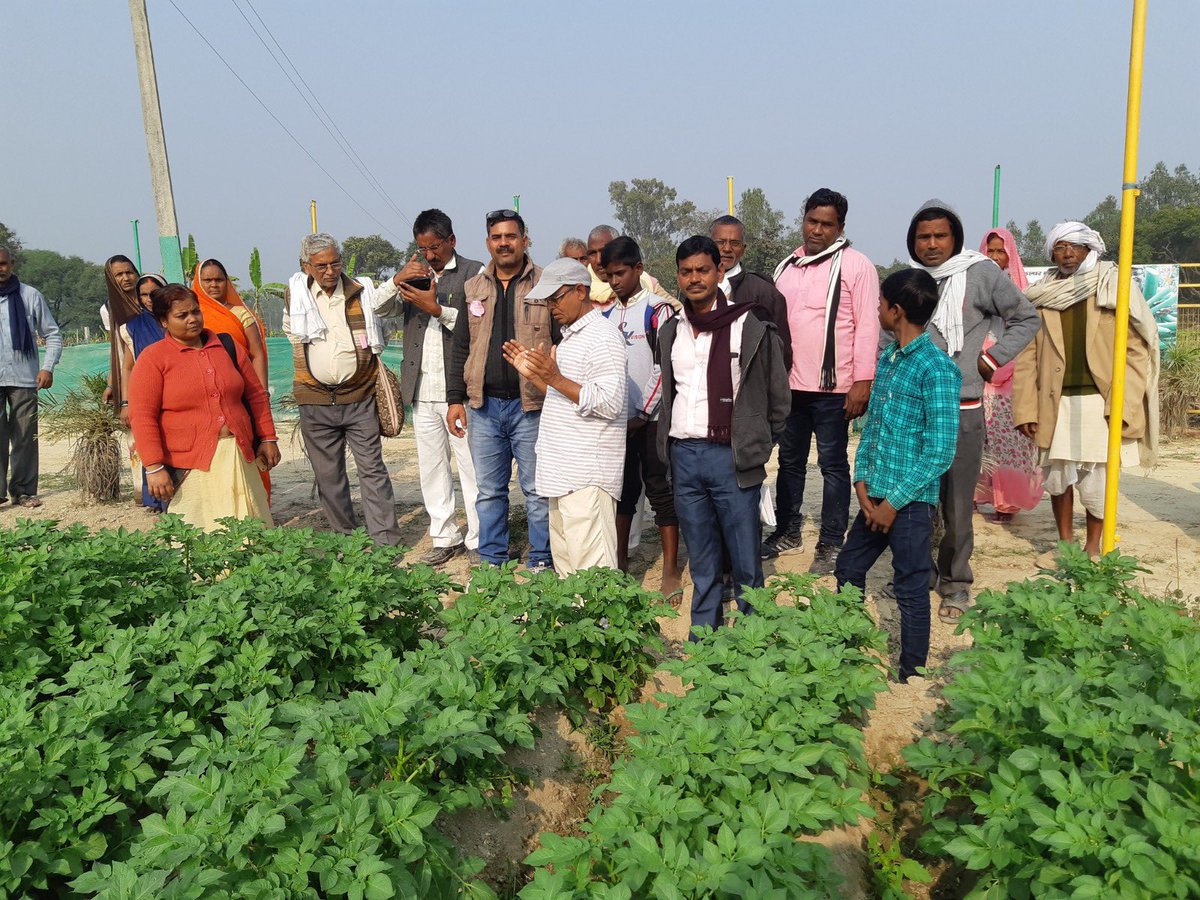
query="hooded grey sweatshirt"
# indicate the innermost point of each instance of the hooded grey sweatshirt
(992, 303)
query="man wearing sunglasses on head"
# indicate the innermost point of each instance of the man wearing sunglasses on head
(505, 406)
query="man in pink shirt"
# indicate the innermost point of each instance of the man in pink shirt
(832, 294)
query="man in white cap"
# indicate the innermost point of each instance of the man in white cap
(1063, 380)
(581, 436)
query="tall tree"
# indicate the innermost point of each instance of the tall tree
(650, 214)
(767, 237)
(1162, 189)
(1162, 193)
(73, 287)
(1106, 219)
(9, 239)
(372, 254)
(897, 265)
(1030, 241)
(1169, 234)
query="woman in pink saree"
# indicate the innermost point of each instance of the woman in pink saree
(1011, 479)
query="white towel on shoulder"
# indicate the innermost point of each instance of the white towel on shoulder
(305, 318)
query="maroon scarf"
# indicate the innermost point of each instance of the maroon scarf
(720, 377)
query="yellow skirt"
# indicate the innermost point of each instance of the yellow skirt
(231, 488)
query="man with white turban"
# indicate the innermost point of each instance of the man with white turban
(1063, 381)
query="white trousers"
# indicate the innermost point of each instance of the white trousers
(583, 530)
(434, 445)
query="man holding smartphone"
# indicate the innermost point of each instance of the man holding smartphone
(429, 317)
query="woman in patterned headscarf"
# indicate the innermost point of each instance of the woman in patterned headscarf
(1011, 479)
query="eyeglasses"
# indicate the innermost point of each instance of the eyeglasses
(326, 267)
(501, 215)
(431, 248)
(560, 295)
(732, 244)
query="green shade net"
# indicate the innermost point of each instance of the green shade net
(89, 358)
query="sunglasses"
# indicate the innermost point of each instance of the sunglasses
(501, 215)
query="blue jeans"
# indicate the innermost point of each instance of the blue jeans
(823, 415)
(499, 432)
(713, 511)
(909, 539)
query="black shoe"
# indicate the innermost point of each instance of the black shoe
(825, 560)
(439, 556)
(782, 542)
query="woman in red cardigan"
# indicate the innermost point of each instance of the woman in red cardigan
(201, 423)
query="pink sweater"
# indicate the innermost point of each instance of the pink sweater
(857, 328)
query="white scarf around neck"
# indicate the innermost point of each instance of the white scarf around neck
(834, 253)
(951, 277)
(305, 319)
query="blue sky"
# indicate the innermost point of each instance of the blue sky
(461, 105)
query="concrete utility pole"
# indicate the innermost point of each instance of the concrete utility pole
(156, 145)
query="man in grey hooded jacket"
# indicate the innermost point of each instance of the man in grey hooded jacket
(976, 298)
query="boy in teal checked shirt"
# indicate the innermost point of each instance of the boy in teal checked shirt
(907, 445)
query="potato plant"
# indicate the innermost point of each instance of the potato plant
(1071, 767)
(765, 745)
(269, 713)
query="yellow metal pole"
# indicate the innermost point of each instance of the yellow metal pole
(1129, 194)
(312, 211)
(729, 188)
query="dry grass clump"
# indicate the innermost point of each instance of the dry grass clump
(91, 425)
(1179, 383)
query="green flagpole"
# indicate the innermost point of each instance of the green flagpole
(996, 199)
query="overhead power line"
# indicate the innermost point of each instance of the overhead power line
(323, 116)
(279, 122)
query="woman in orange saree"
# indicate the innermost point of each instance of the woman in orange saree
(225, 313)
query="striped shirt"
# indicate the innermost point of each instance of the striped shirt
(580, 445)
(911, 432)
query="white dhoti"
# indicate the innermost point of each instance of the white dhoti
(1078, 453)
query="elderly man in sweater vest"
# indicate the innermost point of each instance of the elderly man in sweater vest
(332, 322)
